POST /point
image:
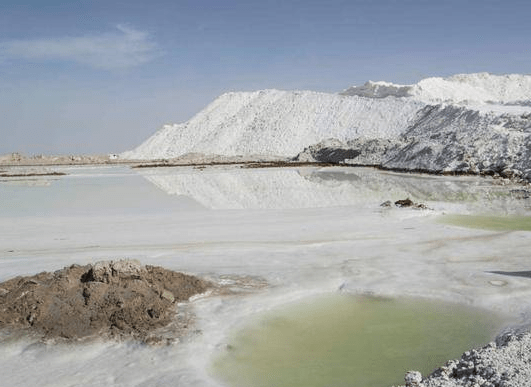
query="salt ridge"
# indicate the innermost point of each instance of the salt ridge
(460, 88)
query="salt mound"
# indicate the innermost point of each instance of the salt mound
(122, 299)
(459, 89)
(404, 127)
(277, 123)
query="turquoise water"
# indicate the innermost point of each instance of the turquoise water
(341, 340)
(487, 222)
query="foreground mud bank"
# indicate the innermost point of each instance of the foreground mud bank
(121, 300)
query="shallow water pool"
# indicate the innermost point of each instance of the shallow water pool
(343, 340)
(487, 222)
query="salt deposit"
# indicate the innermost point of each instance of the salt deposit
(457, 89)
(456, 139)
(467, 123)
(504, 363)
(444, 139)
(276, 123)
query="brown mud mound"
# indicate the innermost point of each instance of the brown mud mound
(405, 203)
(120, 299)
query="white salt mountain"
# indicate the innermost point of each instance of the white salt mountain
(469, 123)
(277, 123)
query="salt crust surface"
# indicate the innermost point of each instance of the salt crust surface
(358, 247)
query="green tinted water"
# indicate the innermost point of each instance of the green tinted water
(496, 223)
(341, 340)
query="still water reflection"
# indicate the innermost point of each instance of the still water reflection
(341, 340)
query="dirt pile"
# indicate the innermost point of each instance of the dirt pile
(120, 299)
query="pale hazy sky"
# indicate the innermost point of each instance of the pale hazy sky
(101, 76)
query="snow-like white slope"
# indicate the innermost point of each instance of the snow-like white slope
(461, 88)
(475, 123)
(277, 123)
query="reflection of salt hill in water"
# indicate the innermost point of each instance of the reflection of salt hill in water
(277, 123)
(471, 191)
(244, 188)
(308, 187)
